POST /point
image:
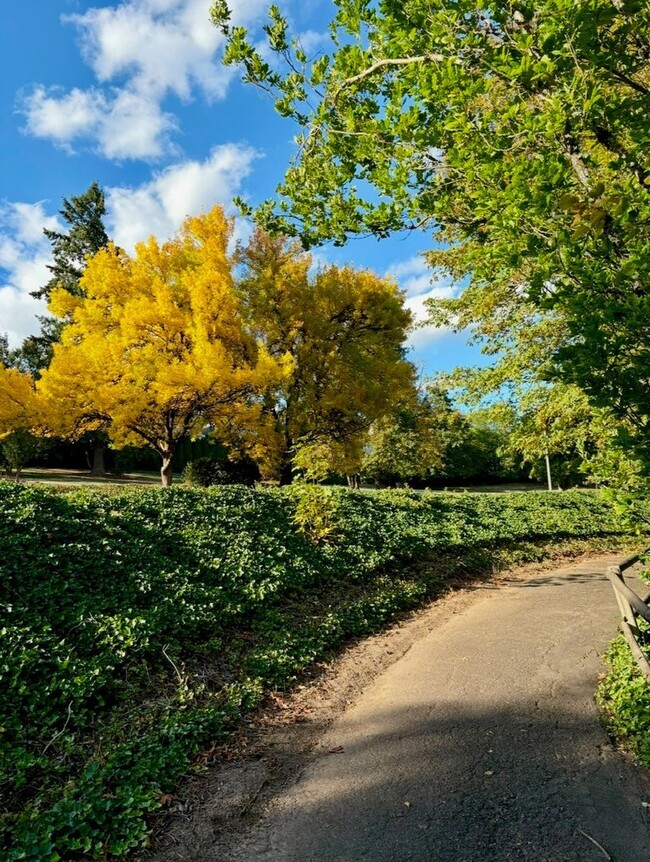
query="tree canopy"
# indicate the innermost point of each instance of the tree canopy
(18, 401)
(155, 347)
(279, 360)
(411, 441)
(515, 132)
(343, 330)
(85, 236)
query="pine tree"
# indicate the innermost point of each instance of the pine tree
(5, 356)
(86, 235)
(84, 214)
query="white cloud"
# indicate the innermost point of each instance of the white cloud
(24, 255)
(416, 279)
(141, 51)
(159, 47)
(423, 336)
(134, 128)
(158, 207)
(62, 118)
(123, 124)
(188, 188)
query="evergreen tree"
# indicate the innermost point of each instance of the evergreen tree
(85, 236)
(5, 356)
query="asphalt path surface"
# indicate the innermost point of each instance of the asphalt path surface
(481, 744)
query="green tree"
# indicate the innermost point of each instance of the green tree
(476, 454)
(5, 353)
(516, 133)
(35, 353)
(409, 444)
(71, 249)
(552, 432)
(84, 237)
(17, 448)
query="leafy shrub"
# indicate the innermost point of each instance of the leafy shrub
(624, 697)
(137, 625)
(205, 472)
(318, 512)
(19, 447)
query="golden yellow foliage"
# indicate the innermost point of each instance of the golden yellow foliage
(344, 330)
(156, 347)
(18, 401)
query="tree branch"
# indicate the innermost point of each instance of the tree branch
(381, 64)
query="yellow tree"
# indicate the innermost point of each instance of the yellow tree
(156, 348)
(20, 417)
(344, 330)
(17, 400)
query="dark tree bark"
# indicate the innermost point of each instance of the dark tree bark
(99, 462)
(286, 472)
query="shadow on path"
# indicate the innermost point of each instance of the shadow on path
(461, 787)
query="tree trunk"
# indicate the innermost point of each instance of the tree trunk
(99, 464)
(286, 464)
(166, 470)
(286, 472)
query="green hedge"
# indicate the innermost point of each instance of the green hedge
(138, 625)
(624, 697)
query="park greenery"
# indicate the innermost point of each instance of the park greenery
(138, 626)
(301, 370)
(624, 697)
(516, 134)
(168, 343)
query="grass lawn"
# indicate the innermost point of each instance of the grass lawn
(57, 476)
(54, 476)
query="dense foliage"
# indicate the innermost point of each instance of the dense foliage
(516, 132)
(624, 696)
(138, 625)
(341, 332)
(275, 359)
(155, 344)
(206, 472)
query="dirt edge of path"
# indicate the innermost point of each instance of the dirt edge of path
(216, 807)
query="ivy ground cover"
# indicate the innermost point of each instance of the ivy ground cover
(136, 627)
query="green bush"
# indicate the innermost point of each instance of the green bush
(624, 697)
(138, 625)
(205, 472)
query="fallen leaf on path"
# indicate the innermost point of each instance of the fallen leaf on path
(338, 750)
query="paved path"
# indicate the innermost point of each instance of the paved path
(481, 744)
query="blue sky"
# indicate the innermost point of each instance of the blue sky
(132, 93)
